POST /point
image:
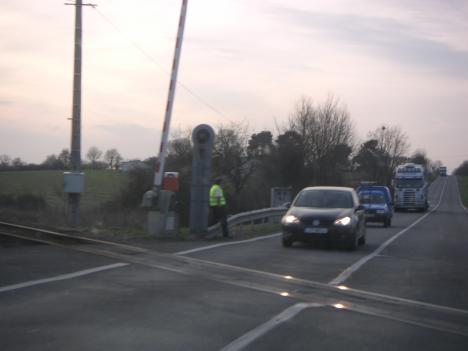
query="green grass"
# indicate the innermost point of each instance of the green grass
(240, 231)
(253, 230)
(463, 186)
(100, 186)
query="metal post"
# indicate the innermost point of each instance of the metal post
(170, 100)
(203, 138)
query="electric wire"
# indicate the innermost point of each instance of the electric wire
(158, 65)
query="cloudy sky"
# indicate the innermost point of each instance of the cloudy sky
(393, 62)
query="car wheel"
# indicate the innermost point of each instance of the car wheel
(287, 242)
(362, 240)
(353, 243)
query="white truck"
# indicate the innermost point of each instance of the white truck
(410, 187)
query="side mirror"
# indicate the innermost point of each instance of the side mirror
(286, 204)
(360, 208)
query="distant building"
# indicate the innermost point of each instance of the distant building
(131, 165)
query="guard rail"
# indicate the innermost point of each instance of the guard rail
(265, 215)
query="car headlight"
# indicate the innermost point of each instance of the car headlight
(290, 219)
(343, 221)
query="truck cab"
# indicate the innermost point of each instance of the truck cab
(411, 187)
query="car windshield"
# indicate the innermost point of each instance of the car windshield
(372, 198)
(324, 199)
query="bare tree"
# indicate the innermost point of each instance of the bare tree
(118, 160)
(462, 170)
(230, 157)
(420, 157)
(393, 143)
(113, 158)
(370, 162)
(52, 162)
(5, 161)
(93, 155)
(17, 163)
(326, 130)
(64, 158)
(435, 165)
(180, 154)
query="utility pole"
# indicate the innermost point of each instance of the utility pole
(74, 180)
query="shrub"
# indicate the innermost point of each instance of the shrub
(23, 202)
(30, 202)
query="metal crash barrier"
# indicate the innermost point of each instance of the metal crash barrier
(265, 215)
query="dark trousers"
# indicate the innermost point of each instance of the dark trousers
(219, 215)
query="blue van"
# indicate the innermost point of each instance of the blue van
(377, 202)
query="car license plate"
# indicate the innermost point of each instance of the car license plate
(312, 230)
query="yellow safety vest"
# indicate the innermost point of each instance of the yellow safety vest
(214, 199)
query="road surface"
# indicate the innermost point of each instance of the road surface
(406, 289)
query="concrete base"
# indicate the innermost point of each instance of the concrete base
(162, 225)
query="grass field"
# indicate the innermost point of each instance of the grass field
(100, 186)
(463, 186)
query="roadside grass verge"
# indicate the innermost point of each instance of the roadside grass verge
(245, 231)
(100, 187)
(37, 198)
(253, 230)
(109, 206)
(463, 186)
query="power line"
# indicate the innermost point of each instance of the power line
(159, 66)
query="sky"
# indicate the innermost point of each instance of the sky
(389, 62)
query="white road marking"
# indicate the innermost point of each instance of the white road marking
(226, 244)
(61, 277)
(357, 265)
(264, 328)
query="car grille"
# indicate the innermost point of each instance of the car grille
(322, 222)
(409, 197)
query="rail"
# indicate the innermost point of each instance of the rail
(61, 239)
(265, 215)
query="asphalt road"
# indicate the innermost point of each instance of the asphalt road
(411, 294)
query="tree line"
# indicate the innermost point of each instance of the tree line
(317, 145)
(95, 159)
(462, 170)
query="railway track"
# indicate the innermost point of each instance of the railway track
(451, 320)
(50, 237)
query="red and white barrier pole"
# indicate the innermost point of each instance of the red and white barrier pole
(170, 99)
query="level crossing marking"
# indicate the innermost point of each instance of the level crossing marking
(289, 313)
(343, 276)
(203, 248)
(61, 277)
(290, 287)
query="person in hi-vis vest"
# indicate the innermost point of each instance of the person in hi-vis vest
(218, 205)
